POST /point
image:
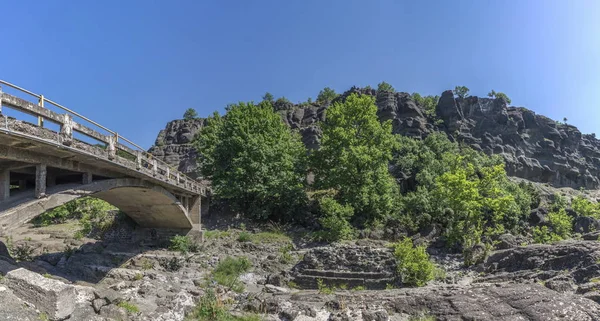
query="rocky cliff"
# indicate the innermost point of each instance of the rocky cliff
(173, 145)
(535, 147)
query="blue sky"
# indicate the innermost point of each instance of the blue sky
(134, 65)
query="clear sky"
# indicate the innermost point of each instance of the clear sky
(134, 65)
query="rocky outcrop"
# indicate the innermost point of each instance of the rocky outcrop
(173, 145)
(534, 147)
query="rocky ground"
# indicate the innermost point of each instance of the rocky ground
(60, 277)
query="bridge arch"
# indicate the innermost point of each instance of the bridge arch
(147, 204)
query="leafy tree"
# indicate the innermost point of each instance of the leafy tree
(561, 227)
(353, 158)
(565, 120)
(190, 114)
(254, 161)
(268, 97)
(461, 91)
(494, 94)
(429, 103)
(384, 86)
(309, 100)
(326, 96)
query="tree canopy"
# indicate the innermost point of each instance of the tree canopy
(190, 114)
(326, 96)
(254, 161)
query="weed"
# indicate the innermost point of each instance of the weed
(147, 264)
(228, 271)
(183, 244)
(292, 285)
(216, 234)
(138, 276)
(29, 239)
(359, 288)
(171, 265)
(389, 286)
(212, 308)
(23, 252)
(69, 251)
(130, 307)
(43, 317)
(422, 316)
(343, 286)
(47, 275)
(324, 289)
(244, 237)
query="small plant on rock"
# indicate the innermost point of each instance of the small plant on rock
(244, 237)
(183, 244)
(324, 289)
(228, 271)
(414, 265)
(130, 307)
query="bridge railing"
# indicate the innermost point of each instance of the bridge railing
(114, 150)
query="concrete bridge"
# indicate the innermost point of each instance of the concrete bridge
(55, 159)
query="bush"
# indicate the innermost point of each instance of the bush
(585, 207)
(244, 237)
(414, 265)
(561, 227)
(461, 91)
(190, 114)
(326, 96)
(212, 308)
(130, 307)
(334, 219)
(384, 86)
(228, 271)
(183, 244)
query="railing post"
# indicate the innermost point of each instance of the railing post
(138, 160)
(66, 130)
(0, 100)
(4, 184)
(168, 170)
(154, 167)
(40, 118)
(112, 149)
(177, 177)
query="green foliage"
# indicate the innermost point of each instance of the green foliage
(461, 91)
(228, 271)
(190, 114)
(254, 161)
(561, 227)
(183, 244)
(244, 237)
(268, 97)
(422, 316)
(212, 308)
(324, 289)
(334, 219)
(76, 209)
(429, 103)
(359, 288)
(466, 192)
(414, 265)
(384, 86)
(584, 207)
(130, 307)
(353, 158)
(326, 96)
(494, 94)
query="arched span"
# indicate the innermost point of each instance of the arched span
(149, 205)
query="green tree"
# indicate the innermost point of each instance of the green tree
(384, 86)
(461, 91)
(190, 114)
(565, 120)
(414, 265)
(254, 161)
(326, 96)
(268, 97)
(429, 103)
(353, 158)
(494, 94)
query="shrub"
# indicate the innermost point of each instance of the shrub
(244, 237)
(561, 227)
(228, 271)
(182, 243)
(190, 114)
(324, 289)
(384, 86)
(130, 307)
(334, 219)
(461, 91)
(326, 96)
(414, 265)
(268, 97)
(212, 308)
(585, 207)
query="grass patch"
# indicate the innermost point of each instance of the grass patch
(183, 244)
(244, 237)
(147, 264)
(212, 308)
(422, 316)
(216, 234)
(359, 288)
(228, 271)
(130, 307)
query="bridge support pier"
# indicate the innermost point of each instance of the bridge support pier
(4, 184)
(40, 180)
(194, 212)
(87, 178)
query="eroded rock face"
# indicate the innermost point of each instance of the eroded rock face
(173, 144)
(534, 147)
